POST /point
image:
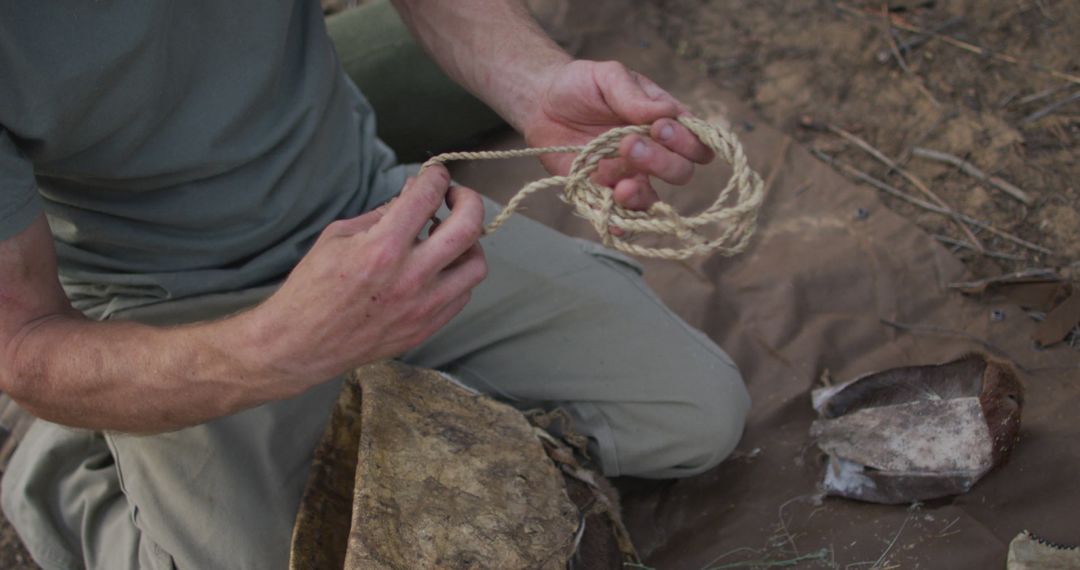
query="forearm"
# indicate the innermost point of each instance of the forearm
(491, 47)
(130, 377)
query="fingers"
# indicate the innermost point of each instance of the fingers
(658, 93)
(634, 98)
(466, 272)
(419, 200)
(635, 193)
(646, 156)
(458, 232)
(454, 287)
(680, 140)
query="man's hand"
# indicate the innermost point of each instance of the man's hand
(583, 99)
(370, 289)
(496, 51)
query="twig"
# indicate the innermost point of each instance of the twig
(910, 178)
(905, 156)
(974, 49)
(988, 253)
(1039, 95)
(900, 58)
(1050, 108)
(864, 177)
(1029, 274)
(967, 46)
(975, 172)
(920, 39)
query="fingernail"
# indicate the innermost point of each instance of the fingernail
(666, 132)
(639, 150)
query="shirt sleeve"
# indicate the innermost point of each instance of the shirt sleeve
(20, 202)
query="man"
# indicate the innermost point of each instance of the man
(204, 179)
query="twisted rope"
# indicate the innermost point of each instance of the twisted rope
(734, 212)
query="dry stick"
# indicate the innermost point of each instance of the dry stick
(974, 171)
(859, 142)
(905, 156)
(864, 177)
(900, 58)
(919, 39)
(1038, 95)
(1050, 108)
(964, 45)
(988, 53)
(988, 253)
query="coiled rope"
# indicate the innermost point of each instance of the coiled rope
(733, 214)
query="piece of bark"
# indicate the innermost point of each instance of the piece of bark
(444, 478)
(917, 433)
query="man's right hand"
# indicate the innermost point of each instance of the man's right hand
(369, 288)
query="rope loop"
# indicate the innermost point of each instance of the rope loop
(732, 216)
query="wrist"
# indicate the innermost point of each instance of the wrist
(259, 351)
(525, 105)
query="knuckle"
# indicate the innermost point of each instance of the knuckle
(334, 228)
(439, 173)
(382, 258)
(683, 173)
(473, 231)
(406, 288)
(482, 268)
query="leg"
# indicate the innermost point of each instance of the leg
(566, 322)
(62, 494)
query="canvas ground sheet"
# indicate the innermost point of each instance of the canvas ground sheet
(828, 266)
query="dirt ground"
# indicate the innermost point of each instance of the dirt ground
(820, 68)
(816, 68)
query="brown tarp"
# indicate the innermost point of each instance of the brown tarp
(814, 292)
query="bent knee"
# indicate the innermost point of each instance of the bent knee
(712, 430)
(694, 433)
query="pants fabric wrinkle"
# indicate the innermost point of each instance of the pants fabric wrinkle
(558, 322)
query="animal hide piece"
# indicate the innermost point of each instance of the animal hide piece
(1029, 552)
(417, 471)
(917, 433)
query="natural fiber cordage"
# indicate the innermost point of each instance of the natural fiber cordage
(733, 214)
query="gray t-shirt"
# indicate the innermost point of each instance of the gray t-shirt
(179, 147)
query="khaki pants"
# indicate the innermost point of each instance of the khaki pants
(558, 322)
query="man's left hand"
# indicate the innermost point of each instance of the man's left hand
(586, 98)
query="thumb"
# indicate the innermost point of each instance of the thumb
(634, 98)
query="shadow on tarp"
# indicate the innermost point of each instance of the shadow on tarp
(815, 291)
